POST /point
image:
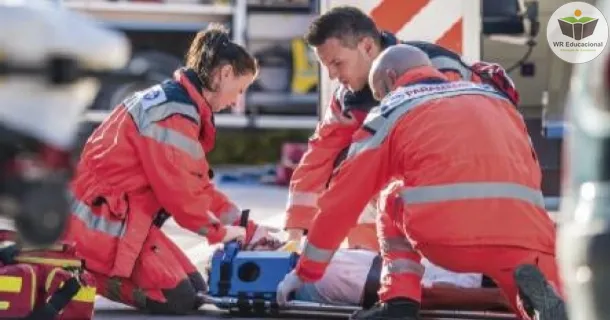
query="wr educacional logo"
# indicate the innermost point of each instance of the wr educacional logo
(577, 32)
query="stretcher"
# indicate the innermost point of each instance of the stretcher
(245, 283)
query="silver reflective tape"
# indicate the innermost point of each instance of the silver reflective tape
(381, 122)
(402, 266)
(230, 216)
(316, 254)
(203, 231)
(474, 190)
(394, 244)
(305, 199)
(95, 222)
(175, 139)
(143, 117)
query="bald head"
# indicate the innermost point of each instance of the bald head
(391, 64)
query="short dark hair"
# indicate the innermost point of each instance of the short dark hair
(212, 48)
(345, 23)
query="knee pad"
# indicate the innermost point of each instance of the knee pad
(180, 300)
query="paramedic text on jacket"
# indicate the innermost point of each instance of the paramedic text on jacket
(470, 179)
(147, 162)
(347, 110)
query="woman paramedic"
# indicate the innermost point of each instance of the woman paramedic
(146, 162)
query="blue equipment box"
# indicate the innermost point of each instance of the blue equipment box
(248, 274)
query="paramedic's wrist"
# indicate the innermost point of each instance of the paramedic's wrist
(295, 234)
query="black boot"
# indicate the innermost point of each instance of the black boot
(394, 309)
(539, 299)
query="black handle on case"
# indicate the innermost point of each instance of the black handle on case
(245, 216)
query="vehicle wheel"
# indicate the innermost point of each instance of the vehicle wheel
(43, 213)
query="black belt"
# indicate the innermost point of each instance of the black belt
(160, 218)
(370, 295)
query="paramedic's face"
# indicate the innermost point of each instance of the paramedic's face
(348, 65)
(230, 88)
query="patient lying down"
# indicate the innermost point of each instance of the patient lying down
(353, 276)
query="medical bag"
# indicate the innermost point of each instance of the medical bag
(43, 284)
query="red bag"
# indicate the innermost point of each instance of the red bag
(18, 287)
(53, 280)
(81, 305)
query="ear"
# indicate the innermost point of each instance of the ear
(367, 44)
(226, 71)
(392, 76)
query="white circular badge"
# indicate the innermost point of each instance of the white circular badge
(577, 32)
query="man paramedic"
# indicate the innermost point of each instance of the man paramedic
(346, 41)
(471, 200)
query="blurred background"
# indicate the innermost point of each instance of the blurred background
(282, 106)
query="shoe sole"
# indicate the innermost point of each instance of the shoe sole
(536, 291)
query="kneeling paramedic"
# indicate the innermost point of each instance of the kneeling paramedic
(346, 41)
(146, 162)
(471, 200)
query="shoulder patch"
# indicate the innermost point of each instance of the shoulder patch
(153, 96)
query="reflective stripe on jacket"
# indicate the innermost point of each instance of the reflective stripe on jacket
(147, 157)
(464, 155)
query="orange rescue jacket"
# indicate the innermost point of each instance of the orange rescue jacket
(344, 115)
(147, 159)
(465, 158)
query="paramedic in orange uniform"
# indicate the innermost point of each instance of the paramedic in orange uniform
(346, 41)
(146, 162)
(471, 200)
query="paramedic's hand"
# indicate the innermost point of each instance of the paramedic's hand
(295, 234)
(234, 233)
(264, 239)
(290, 284)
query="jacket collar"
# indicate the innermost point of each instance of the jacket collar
(419, 75)
(189, 80)
(388, 39)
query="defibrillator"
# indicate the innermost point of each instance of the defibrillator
(248, 278)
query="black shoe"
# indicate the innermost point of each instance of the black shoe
(540, 300)
(395, 309)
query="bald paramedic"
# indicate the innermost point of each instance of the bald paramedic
(471, 200)
(346, 40)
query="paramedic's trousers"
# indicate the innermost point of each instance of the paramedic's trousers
(164, 281)
(402, 272)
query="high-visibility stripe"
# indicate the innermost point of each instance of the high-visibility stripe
(316, 254)
(113, 289)
(472, 191)
(145, 119)
(139, 296)
(381, 120)
(305, 199)
(401, 266)
(86, 294)
(95, 222)
(453, 38)
(230, 216)
(203, 231)
(56, 262)
(174, 138)
(394, 244)
(392, 15)
(11, 284)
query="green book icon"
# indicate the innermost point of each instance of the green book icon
(577, 28)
